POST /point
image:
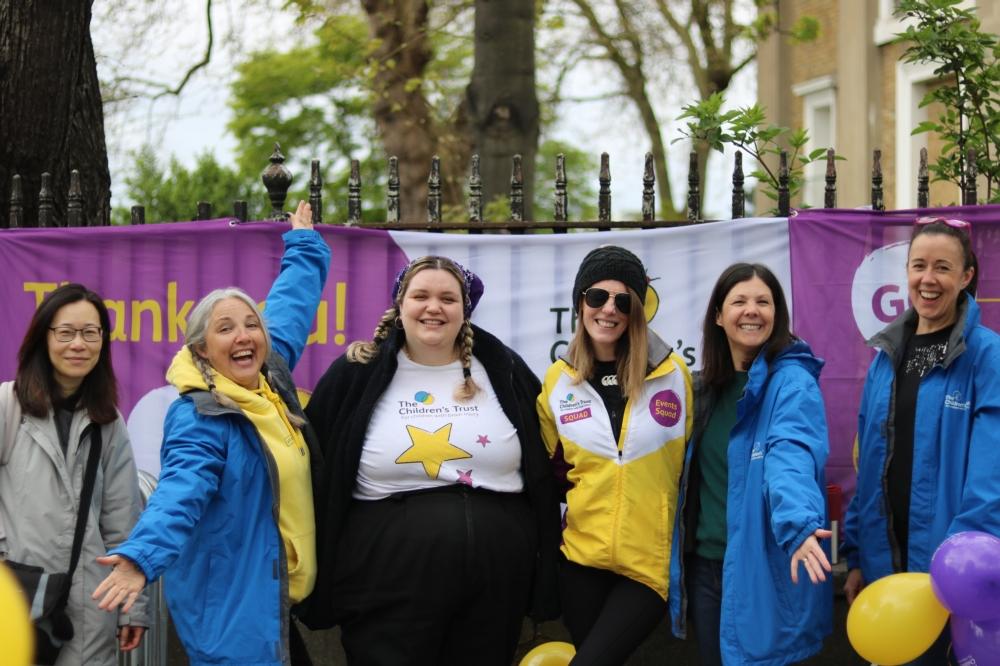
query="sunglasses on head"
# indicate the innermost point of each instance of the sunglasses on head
(954, 224)
(596, 297)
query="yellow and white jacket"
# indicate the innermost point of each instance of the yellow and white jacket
(622, 494)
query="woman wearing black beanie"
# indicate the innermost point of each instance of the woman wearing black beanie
(615, 418)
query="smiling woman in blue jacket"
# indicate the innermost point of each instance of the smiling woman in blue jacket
(230, 526)
(752, 508)
(928, 459)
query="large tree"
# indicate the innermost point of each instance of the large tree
(51, 119)
(648, 43)
(502, 100)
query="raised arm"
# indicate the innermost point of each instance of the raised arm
(291, 304)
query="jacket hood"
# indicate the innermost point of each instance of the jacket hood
(798, 353)
(184, 374)
(892, 338)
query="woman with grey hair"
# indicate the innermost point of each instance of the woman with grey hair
(234, 500)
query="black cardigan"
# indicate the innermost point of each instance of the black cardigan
(340, 409)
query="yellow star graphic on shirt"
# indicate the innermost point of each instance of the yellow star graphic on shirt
(431, 449)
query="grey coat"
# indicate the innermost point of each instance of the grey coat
(39, 499)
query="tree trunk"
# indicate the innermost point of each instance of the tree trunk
(402, 113)
(502, 101)
(51, 118)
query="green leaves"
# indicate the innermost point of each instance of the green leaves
(747, 129)
(966, 59)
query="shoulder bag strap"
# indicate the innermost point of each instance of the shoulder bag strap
(86, 493)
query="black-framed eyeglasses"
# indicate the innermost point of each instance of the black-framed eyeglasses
(68, 333)
(596, 297)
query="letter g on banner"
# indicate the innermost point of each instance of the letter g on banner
(879, 291)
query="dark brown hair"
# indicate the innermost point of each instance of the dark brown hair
(969, 259)
(717, 359)
(35, 383)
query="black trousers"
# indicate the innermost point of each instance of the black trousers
(435, 577)
(608, 615)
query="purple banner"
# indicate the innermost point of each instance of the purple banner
(151, 277)
(849, 282)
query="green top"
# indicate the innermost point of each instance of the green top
(713, 470)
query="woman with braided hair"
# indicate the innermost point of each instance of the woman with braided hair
(436, 515)
(230, 526)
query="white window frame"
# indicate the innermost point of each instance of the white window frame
(816, 94)
(911, 85)
(888, 26)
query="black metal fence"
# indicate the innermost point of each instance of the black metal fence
(277, 180)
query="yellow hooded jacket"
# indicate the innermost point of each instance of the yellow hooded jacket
(623, 495)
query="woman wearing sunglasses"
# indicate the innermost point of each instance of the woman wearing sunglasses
(615, 416)
(753, 506)
(928, 460)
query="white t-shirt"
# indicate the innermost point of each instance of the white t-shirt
(419, 436)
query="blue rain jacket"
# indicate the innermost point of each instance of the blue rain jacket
(211, 525)
(775, 499)
(956, 448)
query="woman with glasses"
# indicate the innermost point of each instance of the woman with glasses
(230, 526)
(63, 395)
(437, 517)
(928, 460)
(615, 413)
(753, 503)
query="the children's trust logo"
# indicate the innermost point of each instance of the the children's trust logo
(954, 401)
(423, 397)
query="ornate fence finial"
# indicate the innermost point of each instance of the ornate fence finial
(830, 193)
(694, 189)
(516, 190)
(475, 191)
(392, 212)
(277, 179)
(971, 174)
(46, 205)
(648, 191)
(739, 196)
(354, 194)
(316, 192)
(74, 201)
(878, 198)
(434, 191)
(923, 180)
(16, 220)
(137, 216)
(604, 191)
(784, 197)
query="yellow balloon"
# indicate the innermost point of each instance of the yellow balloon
(553, 653)
(16, 634)
(895, 619)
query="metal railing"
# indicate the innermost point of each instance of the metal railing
(153, 649)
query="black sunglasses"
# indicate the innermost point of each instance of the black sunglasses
(596, 297)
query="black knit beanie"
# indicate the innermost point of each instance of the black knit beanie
(610, 263)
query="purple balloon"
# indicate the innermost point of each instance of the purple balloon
(975, 642)
(965, 575)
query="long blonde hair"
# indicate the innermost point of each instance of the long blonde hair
(631, 352)
(362, 351)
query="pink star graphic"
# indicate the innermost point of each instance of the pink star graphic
(465, 477)
(484, 440)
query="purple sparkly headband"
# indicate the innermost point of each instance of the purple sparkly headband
(473, 285)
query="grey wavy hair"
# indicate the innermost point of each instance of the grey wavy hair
(197, 331)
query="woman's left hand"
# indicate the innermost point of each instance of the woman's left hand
(811, 554)
(122, 586)
(302, 217)
(129, 637)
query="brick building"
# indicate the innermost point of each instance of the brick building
(850, 89)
